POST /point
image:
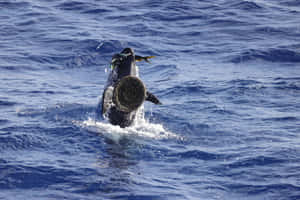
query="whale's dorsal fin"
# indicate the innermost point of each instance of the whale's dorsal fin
(150, 97)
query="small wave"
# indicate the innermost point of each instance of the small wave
(110, 47)
(74, 53)
(256, 161)
(115, 133)
(189, 88)
(290, 3)
(82, 61)
(30, 112)
(176, 16)
(282, 119)
(196, 154)
(163, 68)
(26, 22)
(243, 82)
(247, 6)
(287, 79)
(228, 23)
(162, 73)
(6, 103)
(271, 55)
(14, 5)
(292, 83)
(72, 5)
(61, 112)
(182, 90)
(288, 86)
(19, 141)
(96, 11)
(273, 30)
(86, 45)
(286, 190)
(3, 121)
(28, 177)
(244, 87)
(84, 53)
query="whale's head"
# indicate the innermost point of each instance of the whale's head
(124, 63)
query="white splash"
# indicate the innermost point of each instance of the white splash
(141, 128)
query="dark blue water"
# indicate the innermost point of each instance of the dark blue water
(227, 73)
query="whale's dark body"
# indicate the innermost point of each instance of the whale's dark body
(123, 67)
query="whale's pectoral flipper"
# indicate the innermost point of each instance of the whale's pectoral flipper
(145, 58)
(106, 100)
(150, 97)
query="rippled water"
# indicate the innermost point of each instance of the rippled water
(227, 73)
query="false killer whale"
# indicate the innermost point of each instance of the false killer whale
(124, 92)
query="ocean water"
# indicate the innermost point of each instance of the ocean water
(227, 73)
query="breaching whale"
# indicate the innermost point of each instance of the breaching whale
(124, 92)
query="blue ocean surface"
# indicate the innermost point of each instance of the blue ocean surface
(227, 73)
